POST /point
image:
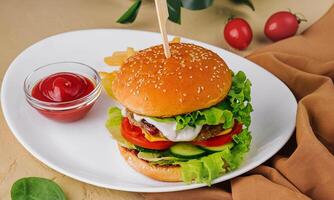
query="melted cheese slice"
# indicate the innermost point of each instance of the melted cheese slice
(154, 138)
(225, 132)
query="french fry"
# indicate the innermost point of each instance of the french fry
(176, 40)
(107, 79)
(130, 52)
(118, 57)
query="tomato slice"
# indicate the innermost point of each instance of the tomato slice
(134, 135)
(220, 140)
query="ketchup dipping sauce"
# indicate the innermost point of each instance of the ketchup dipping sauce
(64, 91)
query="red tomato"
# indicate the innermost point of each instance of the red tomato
(238, 33)
(220, 140)
(134, 135)
(281, 25)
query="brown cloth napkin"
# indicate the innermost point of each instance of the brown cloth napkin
(304, 168)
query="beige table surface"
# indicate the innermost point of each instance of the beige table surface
(24, 22)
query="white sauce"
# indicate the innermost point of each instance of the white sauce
(168, 129)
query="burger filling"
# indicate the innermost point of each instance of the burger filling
(167, 131)
(204, 143)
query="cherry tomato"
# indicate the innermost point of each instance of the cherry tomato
(134, 135)
(281, 25)
(238, 33)
(220, 140)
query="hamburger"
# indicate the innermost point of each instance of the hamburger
(184, 118)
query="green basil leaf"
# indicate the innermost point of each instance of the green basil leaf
(246, 2)
(34, 188)
(130, 15)
(196, 4)
(174, 10)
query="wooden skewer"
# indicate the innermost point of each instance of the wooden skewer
(162, 12)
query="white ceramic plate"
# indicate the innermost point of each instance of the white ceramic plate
(85, 151)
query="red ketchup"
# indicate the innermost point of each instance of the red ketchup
(64, 88)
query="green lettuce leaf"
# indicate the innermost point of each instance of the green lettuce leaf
(193, 170)
(239, 98)
(235, 106)
(214, 166)
(211, 116)
(207, 168)
(113, 124)
(243, 141)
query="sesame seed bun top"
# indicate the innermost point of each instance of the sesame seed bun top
(192, 78)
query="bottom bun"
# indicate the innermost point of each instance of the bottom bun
(162, 173)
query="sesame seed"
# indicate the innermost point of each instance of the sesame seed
(198, 90)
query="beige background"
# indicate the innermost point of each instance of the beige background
(24, 22)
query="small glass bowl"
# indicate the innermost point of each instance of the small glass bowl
(68, 111)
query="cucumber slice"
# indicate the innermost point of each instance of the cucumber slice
(186, 150)
(218, 148)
